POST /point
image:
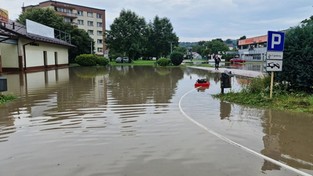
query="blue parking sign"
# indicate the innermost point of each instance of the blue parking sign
(275, 41)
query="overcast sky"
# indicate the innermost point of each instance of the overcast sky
(196, 20)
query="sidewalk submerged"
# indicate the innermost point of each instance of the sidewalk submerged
(247, 73)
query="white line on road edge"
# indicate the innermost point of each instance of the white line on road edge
(236, 144)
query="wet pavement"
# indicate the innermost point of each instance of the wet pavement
(247, 73)
(144, 121)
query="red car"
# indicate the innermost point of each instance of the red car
(237, 60)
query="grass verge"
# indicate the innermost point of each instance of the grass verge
(256, 94)
(136, 62)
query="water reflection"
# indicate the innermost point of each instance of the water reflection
(288, 138)
(64, 98)
(130, 85)
(225, 109)
(253, 66)
(117, 115)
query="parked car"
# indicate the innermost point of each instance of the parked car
(237, 60)
(122, 60)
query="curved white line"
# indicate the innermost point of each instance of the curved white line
(236, 144)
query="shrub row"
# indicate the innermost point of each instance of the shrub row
(176, 58)
(91, 60)
(163, 61)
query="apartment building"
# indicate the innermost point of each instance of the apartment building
(92, 20)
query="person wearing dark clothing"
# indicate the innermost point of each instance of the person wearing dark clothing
(217, 61)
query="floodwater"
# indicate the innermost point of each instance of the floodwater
(144, 121)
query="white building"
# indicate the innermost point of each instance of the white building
(21, 50)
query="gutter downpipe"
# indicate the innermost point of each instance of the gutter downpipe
(24, 53)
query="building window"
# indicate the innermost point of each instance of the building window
(99, 41)
(99, 32)
(99, 15)
(90, 23)
(90, 32)
(89, 14)
(80, 13)
(80, 22)
(99, 50)
(99, 24)
(67, 20)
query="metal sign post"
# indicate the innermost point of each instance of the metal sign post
(274, 55)
(272, 83)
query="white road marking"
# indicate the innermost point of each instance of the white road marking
(237, 144)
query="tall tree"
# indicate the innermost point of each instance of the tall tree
(127, 34)
(48, 17)
(162, 39)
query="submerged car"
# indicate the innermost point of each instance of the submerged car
(237, 60)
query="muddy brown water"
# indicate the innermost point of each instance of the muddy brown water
(132, 121)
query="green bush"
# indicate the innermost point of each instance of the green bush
(177, 58)
(297, 71)
(6, 98)
(86, 60)
(258, 85)
(163, 61)
(102, 61)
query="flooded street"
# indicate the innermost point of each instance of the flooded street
(144, 121)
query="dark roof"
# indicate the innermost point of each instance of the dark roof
(7, 33)
(18, 29)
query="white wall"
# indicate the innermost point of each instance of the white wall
(35, 54)
(9, 55)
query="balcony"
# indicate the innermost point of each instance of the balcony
(69, 15)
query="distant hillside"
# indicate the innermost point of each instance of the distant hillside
(187, 44)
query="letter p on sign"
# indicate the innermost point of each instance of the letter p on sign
(275, 41)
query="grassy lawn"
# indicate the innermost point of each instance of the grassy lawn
(136, 62)
(153, 63)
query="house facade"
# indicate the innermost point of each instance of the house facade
(92, 20)
(23, 51)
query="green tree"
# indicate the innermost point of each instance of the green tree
(217, 45)
(127, 34)
(177, 58)
(200, 49)
(82, 41)
(180, 49)
(162, 39)
(48, 17)
(298, 58)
